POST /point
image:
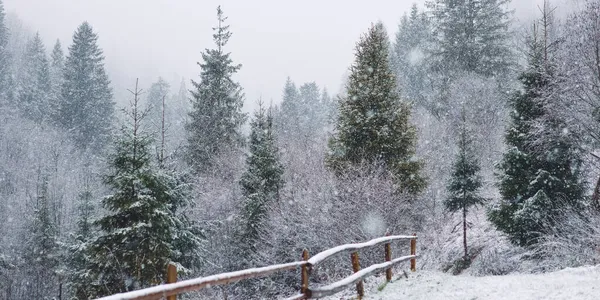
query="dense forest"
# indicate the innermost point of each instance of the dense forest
(479, 133)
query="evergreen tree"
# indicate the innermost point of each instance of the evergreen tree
(409, 56)
(57, 65)
(86, 108)
(159, 90)
(471, 35)
(41, 255)
(262, 180)
(78, 258)
(465, 182)
(289, 114)
(35, 86)
(541, 173)
(4, 55)
(373, 124)
(216, 117)
(143, 217)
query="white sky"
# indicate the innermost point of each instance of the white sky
(308, 40)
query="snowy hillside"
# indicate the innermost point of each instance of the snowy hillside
(571, 283)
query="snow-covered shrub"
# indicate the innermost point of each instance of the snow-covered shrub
(574, 242)
(498, 258)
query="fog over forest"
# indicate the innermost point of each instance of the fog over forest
(309, 41)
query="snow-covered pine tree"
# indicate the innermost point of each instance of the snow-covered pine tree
(288, 116)
(373, 124)
(465, 181)
(159, 90)
(57, 66)
(35, 85)
(409, 53)
(541, 173)
(86, 108)
(262, 180)
(57, 62)
(471, 35)
(216, 117)
(78, 259)
(4, 55)
(144, 228)
(41, 252)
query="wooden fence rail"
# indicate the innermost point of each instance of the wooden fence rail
(172, 289)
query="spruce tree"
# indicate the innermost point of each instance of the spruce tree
(541, 173)
(465, 183)
(289, 113)
(159, 90)
(78, 258)
(41, 255)
(57, 63)
(409, 59)
(144, 216)
(373, 123)
(216, 117)
(86, 108)
(263, 179)
(35, 86)
(4, 55)
(471, 35)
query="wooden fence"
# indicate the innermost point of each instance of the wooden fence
(173, 288)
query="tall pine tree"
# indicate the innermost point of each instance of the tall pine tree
(4, 55)
(263, 179)
(471, 35)
(86, 109)
(409, 59)
(144, 216)
(216, 117)
(465, 183)
(373, 123)
(541, 173)
(41, 255)
(35, 86)
(57, 66)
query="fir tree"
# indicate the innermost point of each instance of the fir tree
(262, 180)
(471, 35)
(57, 65)
(158, 91)
(289, 114)
(86, 108)
(143, 217)
(4, 54)
(410, 56)
(216, 117)
(465, 182)
(78, 258)
(35, 86)
(373, 124)
(541, 173)
(41, 256)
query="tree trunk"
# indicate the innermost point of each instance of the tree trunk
(596, 195)
(465, 232)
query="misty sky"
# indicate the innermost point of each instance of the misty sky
(308, 40)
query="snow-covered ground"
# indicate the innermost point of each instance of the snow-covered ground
(577, 283)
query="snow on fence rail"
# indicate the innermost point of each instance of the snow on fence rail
(173, 288)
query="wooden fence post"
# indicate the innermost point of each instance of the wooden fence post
(304, 286)
(356, 267)
(388, 257)
(413, 251)
(172, 277)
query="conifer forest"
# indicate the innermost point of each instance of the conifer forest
(473, 123)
